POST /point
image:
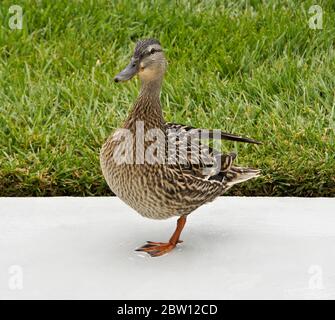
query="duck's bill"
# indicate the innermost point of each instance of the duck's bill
(127, 73)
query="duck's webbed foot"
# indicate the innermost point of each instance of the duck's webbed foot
(156, 249)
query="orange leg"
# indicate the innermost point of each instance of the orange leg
(156, 249)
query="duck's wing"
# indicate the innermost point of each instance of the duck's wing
(187, 153)
(192, 157)
(209, 134)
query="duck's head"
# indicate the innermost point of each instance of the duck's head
(148, 62)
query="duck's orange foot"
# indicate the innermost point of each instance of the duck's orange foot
(156, 249)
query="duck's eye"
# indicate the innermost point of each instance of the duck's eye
(152, 51)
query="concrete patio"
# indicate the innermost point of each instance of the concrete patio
(234, 248)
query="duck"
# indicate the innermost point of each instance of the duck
(164, 169)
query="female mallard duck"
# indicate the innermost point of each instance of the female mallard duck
(162, 184)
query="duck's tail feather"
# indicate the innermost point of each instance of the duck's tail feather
(211, 134)
(233, 137)
(237, 175)
(234, 175)
(218, 134)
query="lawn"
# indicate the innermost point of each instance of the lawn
(253, 68)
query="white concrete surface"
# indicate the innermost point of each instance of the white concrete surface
(234, 248)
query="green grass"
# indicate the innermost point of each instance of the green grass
(249, 67)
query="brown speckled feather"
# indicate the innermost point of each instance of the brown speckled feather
(163, 190)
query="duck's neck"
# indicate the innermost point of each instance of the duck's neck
(151, 89)
(147, 107)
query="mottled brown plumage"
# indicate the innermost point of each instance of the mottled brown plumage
(165, 188)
